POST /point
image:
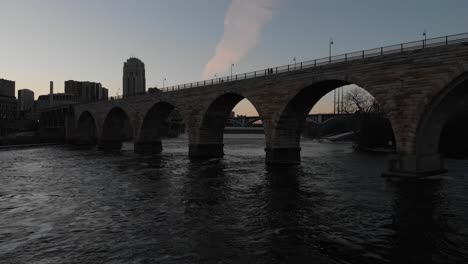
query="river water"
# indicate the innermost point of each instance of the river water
(73, 205)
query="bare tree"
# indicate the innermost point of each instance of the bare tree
(358, 100)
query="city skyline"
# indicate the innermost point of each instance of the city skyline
(177, 51)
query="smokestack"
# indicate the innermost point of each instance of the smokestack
(51, 94)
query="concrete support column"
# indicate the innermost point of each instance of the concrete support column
(414, 166)
(110, 144)
(152, 147)
(282, 156)
(206, 150)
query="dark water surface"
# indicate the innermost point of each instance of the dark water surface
(70, 205)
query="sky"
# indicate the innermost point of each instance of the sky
(185, 41)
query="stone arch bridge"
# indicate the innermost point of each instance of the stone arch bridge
(418, 85)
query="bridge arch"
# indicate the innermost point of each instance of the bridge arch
(86, 129)
(209, 138)
(116, 129)
(283, 146)
(445, 105)
(155, 125)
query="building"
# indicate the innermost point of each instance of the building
(44, 101)
(85, 92)
(7, 88)
(104, 94)
(134, 80)
(8, 108)
(25, 100)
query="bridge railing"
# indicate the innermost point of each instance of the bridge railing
(386, 50)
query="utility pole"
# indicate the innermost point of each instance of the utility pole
(334, 101)
(232, 65)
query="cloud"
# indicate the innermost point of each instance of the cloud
(243, 24)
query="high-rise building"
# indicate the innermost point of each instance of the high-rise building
(134, 80)
(85, 92)
(25, 100)
(7, 88)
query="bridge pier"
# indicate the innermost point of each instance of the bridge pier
(203, 151)
(415, 166)
(153, 147)
(283, 156)
(110, 144)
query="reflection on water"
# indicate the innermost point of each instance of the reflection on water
(71, 205)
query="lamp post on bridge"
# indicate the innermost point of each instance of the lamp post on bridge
(330, 50)
(425, 38)
(294, 59)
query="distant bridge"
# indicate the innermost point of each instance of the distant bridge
(252, 121)
(419, 85)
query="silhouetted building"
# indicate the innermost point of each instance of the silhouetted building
(8, 107)
(134, 80)
(25, 100)
(57, 99)
(104, 94)
(85, 92)
(7, 87)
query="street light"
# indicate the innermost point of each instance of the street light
(329, 50)
(425, 38)
(294, 62)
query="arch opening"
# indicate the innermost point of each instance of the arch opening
(87, 131)
(162, 120)
(230, 113)
(117, 128)
(443, 128)
(336, 110)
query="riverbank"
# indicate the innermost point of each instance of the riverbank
(11, 147)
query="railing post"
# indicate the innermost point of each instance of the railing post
(184, 85)
(301, 65)
(446, 40)
(236, 77)
(381, 51)
(401, 49)
(346, 57)
(255, 74)
(204, 82)
(245, 77)
(191, 85)
(315, 62)
(276, 69)
(363, 54)
(288, 67)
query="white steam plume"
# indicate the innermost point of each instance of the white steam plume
(242, 27)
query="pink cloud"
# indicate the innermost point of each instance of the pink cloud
(243, 24)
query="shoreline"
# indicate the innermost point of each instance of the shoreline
(25, 146)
